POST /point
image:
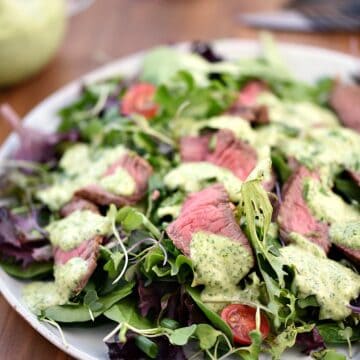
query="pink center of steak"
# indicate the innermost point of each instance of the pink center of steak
(76, 204)
(209, 211)
(138, 168)
(352, 254)
(294, 214)
(245, 104)
(345, 100)
(229, 152)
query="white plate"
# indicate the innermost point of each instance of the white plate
(307, 63)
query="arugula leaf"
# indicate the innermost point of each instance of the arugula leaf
(80, 312)
(258, 211)
(184, 97)
(286, 339)
(252, 352)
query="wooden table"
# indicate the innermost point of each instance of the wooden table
(110, 29)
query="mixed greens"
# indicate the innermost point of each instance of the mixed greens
(98, 214)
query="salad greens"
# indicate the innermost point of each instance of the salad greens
(173, 131)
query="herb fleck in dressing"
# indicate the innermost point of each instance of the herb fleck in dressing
(219, 263)
(333, 284)
(82, 166)
(40, 295)
(346, 234)
(79, 226)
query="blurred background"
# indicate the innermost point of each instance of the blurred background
(44, 44)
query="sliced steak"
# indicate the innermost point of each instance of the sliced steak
(345, 100)
(138, 168)
(88, 250)
(77, 203)
(246, 106)
(233, 154)
(208, 210)
(294, 213)
(351, 254)
(230, 153)
(355, 176)
(194, 148)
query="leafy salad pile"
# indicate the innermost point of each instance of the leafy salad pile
(142, 283)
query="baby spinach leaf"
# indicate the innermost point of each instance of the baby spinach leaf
(34, 270)
(126, 312)
(213, 317)
(181, 336)
(80, 312)
(332, 333)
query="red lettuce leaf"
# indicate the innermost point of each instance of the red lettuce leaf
(21, 238)
(35, 145)
(310, 341)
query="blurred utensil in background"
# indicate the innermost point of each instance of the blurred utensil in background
(309, 15)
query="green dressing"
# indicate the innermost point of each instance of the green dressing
(346, 234)
(41, 295)
(219, 263)
(300, 115)
(119, 183)
(333, 285)
(326, 205)
(82, 166)
(333, 149)
(194, 176)
(77, 227)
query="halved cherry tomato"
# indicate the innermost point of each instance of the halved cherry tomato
(241, 319)
(139, 99)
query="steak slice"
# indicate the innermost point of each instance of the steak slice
(294, 213)
(233, 154)
(88, 250)
(138, 168)
(351, 254)
(194, 148)
(246, 106)
(208, 210)
(345, 100)
(230, 153)
(76, 204)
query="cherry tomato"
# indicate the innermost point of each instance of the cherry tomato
(242, 320)
(139, 99)
(249, 93)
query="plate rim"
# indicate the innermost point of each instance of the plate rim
(72, 87)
